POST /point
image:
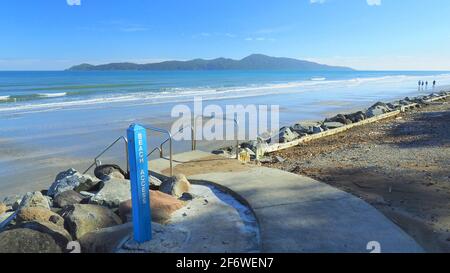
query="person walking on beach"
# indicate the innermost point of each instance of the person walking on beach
(423, 84)
(434, 84)
(426, 84)
(420, 83)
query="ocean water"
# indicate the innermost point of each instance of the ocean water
(31, 91)
(50, 121)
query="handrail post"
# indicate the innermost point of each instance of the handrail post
(192, 138)
(170, 151)
(126, 153)
(237, 138)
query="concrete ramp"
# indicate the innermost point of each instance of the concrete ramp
(296, 213)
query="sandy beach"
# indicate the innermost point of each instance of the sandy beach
(39, 138)
(399, 165)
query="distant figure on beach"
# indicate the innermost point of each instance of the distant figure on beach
(434, 84)
(426, 84)
(420, 83)
(423, 84)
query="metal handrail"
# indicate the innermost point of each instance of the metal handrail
(156, 149)
(163, 131)
(223, 118)
(160, 148)
(105, 150)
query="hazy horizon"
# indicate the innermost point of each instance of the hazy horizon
(159, 61)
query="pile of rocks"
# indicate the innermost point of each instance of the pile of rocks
(88, 210)
(256, 149)
(288, 134)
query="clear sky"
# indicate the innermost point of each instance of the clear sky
(364, 34)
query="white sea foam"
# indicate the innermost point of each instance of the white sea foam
(3, 98)
(52, 95)
(318, 79)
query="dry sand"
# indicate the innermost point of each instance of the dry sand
(400, 166)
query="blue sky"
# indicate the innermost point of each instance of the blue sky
(364, 34)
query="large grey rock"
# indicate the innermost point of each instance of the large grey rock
(67, 198)
(376, 111)
(103, 172)
(317, 129)
(176, 186)
(72, 180)
(34, 199)
(113, 193)
(25, 240)
(105, 240)
(339, 118)
(287, 135)
(84, 218)
(356, 117)
(302, 129)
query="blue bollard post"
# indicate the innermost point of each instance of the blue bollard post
(140, 195)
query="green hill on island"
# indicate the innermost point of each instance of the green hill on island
(252, 62)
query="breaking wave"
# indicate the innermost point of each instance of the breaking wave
(40, 101)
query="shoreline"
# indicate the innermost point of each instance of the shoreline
(76, 145)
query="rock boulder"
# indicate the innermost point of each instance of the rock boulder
(113, 193)
(58, 233)
(287, 135)
(34, 199)
(339, 118)
(376, 111)
(356, 117)
(39, 214)
(67, 198)
(105, 240)
(103, 172)
(25, 240)
(83, 218)
(176, 186)
(72, 180)
(161, 205)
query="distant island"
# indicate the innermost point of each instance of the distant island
(252, 62)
